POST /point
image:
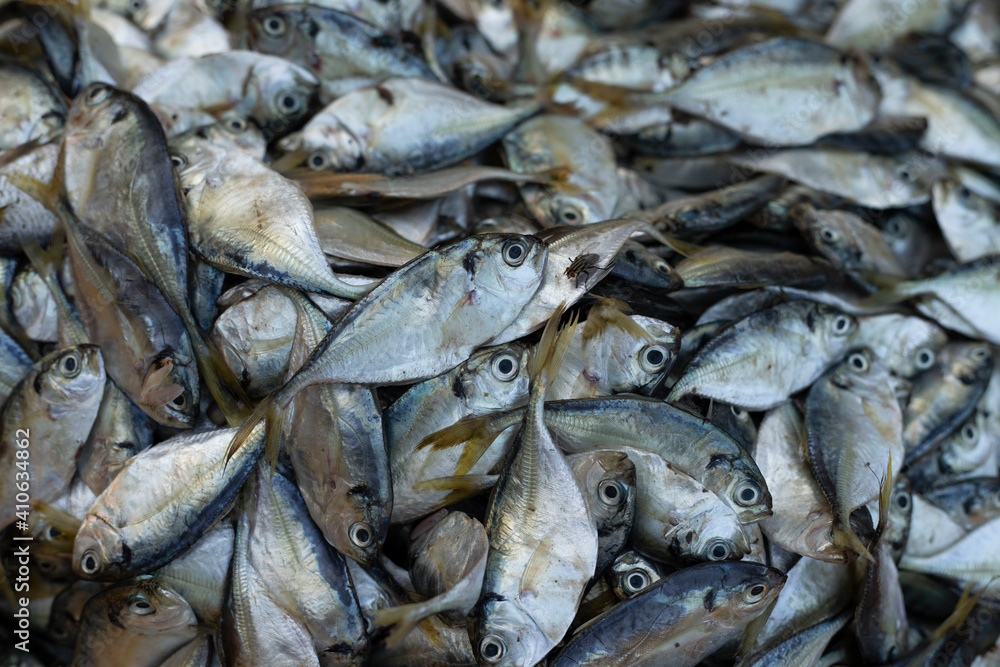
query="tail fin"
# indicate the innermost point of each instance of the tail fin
(55, 517)
(259, 414)
(477, 434)
(884, 496)
(403, 620)
(610, 312)
(551, 349)
(217, 375)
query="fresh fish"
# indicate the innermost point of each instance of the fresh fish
(720, 266)
(970, 222)
(970, 503)
(906, 345)
(371, 130)
(759, 361)
(805, 647)
(344, 53)
(686, 616)
(636, 264)
(44, 423)
(607, 480)
(350, 234)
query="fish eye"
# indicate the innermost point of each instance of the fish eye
(636, 580)
(237, 124)
(964, 192)
(45, 566)
(858, 362)
(747, 493)
(903, 500)
(178, 160)
(653, 358)
(98, 94)
(829, 235)
(514, 252)
(69, 365)
(906, 175)
(492, 648)
(141, 608)
(718, 551)
(504, 367)
(755, 593)
(289, 103)
(924, 359)
(274, 25)
(979, 353)
(569, 214)
(361, 534)
(611, 493)
(892, 228)
(136, 6)
(51, 532)
(318, 161)
(89, 562)
(970, 433)
(179, 402)
(663, 267)
(841, 325)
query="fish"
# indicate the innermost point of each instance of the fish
(33, 109)
(906, 345)
(608, 483)
(34, 307)
(44, 423)
(969, 222)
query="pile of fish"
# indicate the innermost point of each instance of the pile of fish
(500, 332)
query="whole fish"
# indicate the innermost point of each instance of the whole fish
(371, 129)
(682, 618)
(761, 360)
(44, 423)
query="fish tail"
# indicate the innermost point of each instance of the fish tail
(884, 496)
(682, 248)
(847, 539)
(403, 620)
(891, 289)
(218, 376)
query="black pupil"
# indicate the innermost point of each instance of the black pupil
(491, 650)
(901, 501)
(635, 581)
(89, 563)
(719, 551)
(142, 605)
(827, 234)
(288, 101)
(569, 215)
(756, 590)
(363, 535)
(505, 366)
(858, 362)
(970, 433)
(317, 160)
(611, 492)
(179, 401)
(662, 268)
(70, 364)
(654, 357)
(515, 251)
(905, 175)
(275, 25)
(925, 357)
(747, 494)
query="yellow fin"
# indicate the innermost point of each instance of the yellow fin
(465, 485)
(476, 433)
(611, 312)
(58, 519)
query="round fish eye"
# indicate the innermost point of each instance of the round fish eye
(738, 412)
(89, 562)
(492, 648)
(964, 192)
(570, 214)
(70, 365)
(98, 94)
(747, 493)
(906, 175)
(318, 161)
(892, 228)
(841, 325)
(361, 534)
(980, 353)
(755, 593)
(504, 367)
(663, 267)
(829, 235)
(858, 362)
(178, 160)
(274, 25)
(903, 501)
(718, 551)
(237, 124)
(636, 580)
(136, 6)
(179, 402)
(515, 251)
(653, 358)
(923, 359)
(52, 532)
(141, 608)
(611, 493)
(289, 103)
(970, 433)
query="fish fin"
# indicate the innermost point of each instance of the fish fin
(891, 289)
(610, 312)
(259, 414)
(156, 386)
(748, 639)
(551, 348)
(57, 518)
(403, 620)
(216, 374)
(477, 434)
(464, 485)
(683, 248)
(884, 496)
(847, 539)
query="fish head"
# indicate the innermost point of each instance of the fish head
(169, 392)
(510, 266)
(99, 551)
(717, 536)
(95, 110)
(503, 633)
(631, 573)
(494, 378)
(71, 379)
(744, 592)
(743, 486)
(148, 606)
(285, 93)
(552, 205)
(970, 362)
(357, 528)
(832, 328)
(326, 144)
(32, 303)
(608, 481)
(638, 363)
(917, 347)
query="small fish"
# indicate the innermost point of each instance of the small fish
(970, 222)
